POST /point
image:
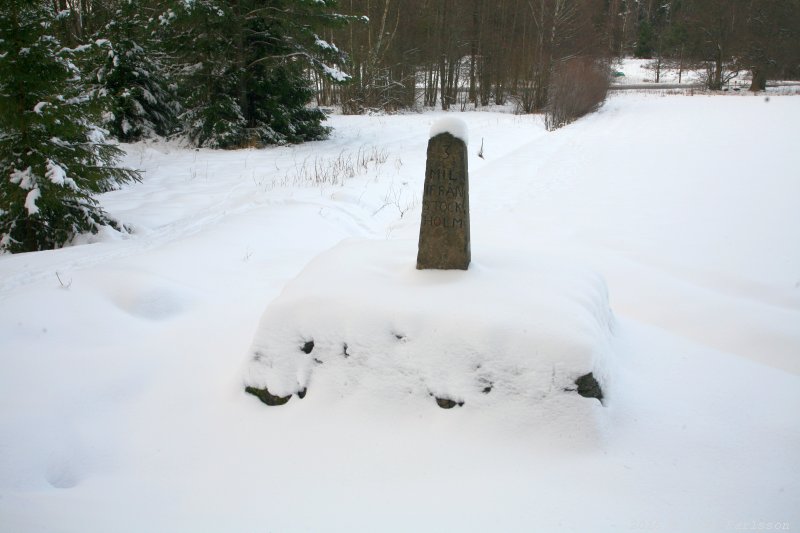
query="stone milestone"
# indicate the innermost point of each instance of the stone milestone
(444, 229)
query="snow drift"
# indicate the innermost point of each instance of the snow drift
(121, 362)
(510, 333)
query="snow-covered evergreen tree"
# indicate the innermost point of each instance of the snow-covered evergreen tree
(52, 157)
(142, 103)
(245, 66)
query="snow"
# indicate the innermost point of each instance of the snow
(96, 135)
(24, 178)
(452, 125)
(385, 332)
(335, 74)
(57, 175)
(148, 96)
(167, 18)
(643, 71)
(39, 107)
(122, 362)
(325, 45)
(637, 71)
(30, 201)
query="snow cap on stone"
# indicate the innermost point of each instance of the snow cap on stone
(454, 126)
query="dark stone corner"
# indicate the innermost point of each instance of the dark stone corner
(267, 398)
(588, 387)
(447, 403)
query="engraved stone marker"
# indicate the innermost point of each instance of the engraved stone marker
(444, 230)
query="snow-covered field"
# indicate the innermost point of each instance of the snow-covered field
(637, 71)
(122, 361)
(641, 73)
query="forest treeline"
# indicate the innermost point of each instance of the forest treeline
(234, 73)
(231, 72)
(409, 54)
(461, 52)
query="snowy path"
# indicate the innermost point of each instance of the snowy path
(120, 397)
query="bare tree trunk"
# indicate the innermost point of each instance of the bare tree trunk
(474, 47)
(445, 100)
(444, 49)
(716, 82)
(759, 82)
(240, 64)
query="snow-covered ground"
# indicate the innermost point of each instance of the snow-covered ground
(638, 71)
(122, 361)
(642, 73)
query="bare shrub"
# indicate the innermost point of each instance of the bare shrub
(320, 171)
(578, 86)
(716, 76)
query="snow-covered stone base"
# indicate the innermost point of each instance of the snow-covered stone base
(512, 333)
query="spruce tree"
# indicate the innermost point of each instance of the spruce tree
(52, 157)
(132, 72)
(245, 65)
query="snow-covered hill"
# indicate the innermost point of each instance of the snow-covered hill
(123, 360)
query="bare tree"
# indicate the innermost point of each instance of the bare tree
(716, 27)
(771, 40)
